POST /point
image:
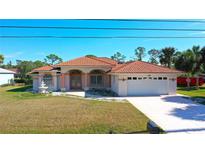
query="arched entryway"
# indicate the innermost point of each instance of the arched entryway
(75, 79)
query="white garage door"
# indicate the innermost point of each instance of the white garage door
(142, 86)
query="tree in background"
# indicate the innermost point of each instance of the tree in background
(1, 59)
(9, 65)
(140, 53)
(166, 56)
(154, 56)
(90, 55)
(26, 67)
(53, 59)
(185, 62)
(192, 61)
(198, 61)
(203, 58)
(38, 63)
(118, 57)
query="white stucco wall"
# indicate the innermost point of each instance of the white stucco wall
(5, 78)
(114, 83)
(172, 84)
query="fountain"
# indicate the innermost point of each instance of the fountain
(43, 88)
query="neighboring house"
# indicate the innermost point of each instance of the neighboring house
(128, 79)
(17, 72)
(6, 76)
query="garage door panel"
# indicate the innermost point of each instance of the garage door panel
(146, 87)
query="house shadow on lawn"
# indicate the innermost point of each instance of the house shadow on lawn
(20, 89)
(191, 111)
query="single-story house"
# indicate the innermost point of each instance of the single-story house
(6, 76)
(127, 79)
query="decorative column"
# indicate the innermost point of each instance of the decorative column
(62, 82)
(109, 76)
(86, 78)
(35, 82)
(54, 82)
(67, 81)
(40, 79)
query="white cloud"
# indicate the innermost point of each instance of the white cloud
(13, 55)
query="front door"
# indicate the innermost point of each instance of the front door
(75, 82)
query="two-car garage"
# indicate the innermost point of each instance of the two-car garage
(143, 79)
(147, 85)
(144, 85)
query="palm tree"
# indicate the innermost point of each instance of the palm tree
(185, 62)
(197, 56)
(203, 56)
(191, 61)
(166, 56)
(1, 59)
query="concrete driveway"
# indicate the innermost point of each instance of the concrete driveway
(174, 114)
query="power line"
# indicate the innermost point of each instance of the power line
(147, 20)
(108, 37)
(101, 28)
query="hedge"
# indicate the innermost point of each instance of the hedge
(181, 81)
(23, 80)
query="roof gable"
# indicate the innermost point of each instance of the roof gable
(88, 61)
(43, 68)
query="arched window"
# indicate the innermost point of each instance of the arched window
(96, 78)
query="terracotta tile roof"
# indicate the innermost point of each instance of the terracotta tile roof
(118, 66)
(88, 61)
(141, 67)
(108, 60)
(130, 67)
(43, 68)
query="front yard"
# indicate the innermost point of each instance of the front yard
(24, 112)
(194, 93)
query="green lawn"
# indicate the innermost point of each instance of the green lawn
(194, 93)
(25, 112)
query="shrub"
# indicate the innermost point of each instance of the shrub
(102, 92)
(27, 81)
(181, 81)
